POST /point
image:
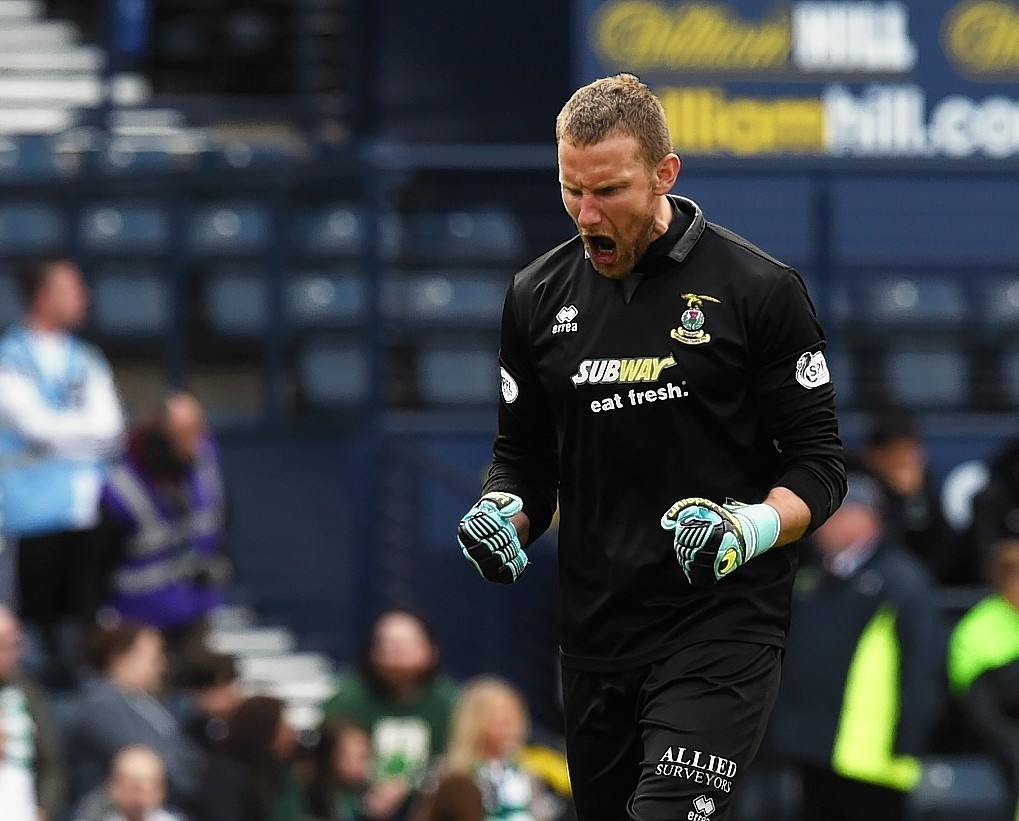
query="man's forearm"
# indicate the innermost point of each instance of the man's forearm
(793, 514)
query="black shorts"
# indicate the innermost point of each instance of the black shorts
(671, 740)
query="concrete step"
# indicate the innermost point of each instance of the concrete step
(78, 58)
(290, 667)
(253, 641)
(312, 691)
(36, 35)
(36, 119)
(232, 617)
(21, 9)
(66, 89)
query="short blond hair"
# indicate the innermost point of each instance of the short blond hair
(617, 105)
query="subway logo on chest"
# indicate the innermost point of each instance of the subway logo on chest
(621, 371)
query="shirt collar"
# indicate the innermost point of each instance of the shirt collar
(689, 237)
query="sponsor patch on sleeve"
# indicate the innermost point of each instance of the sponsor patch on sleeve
(510, 389)
(812, 370)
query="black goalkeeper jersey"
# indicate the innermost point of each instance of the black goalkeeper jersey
(699, 374)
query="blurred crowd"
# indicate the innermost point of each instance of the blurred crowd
(113, 707)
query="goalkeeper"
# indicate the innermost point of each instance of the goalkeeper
(664, 382)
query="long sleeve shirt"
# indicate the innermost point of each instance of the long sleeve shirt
(701, 373)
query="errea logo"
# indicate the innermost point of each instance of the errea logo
(565, 319)
(703, 807)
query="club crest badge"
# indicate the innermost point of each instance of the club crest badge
(691, 323)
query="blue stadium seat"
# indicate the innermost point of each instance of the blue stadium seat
(117, 158)
(31, 228)
(333, 373)
(331, 231)
(458, 373)
(132, 302)
(10, 302)
(1010, 374)
(236, 301)
(924, 376)
(897, 299)
(325, 298)
(124, 228)
(960, 788)
(476, 235)
(999, 301)
(230, 228)
(256, 154)
(460, 299)
(337, 230)
(29, 155)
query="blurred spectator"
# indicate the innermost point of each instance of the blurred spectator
(32, 778)
(134, 791)
(996, 506)
(895, 454)
(861, 684)
(16, 794)
(165, 507)
(343, 772)
(60, 419)
(983, 662)
(405, 703)
(121, 707)
(251, 775)
(481, 777)
(212, 692)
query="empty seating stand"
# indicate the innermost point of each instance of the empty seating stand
(236, 300)
(472, 235)
(124, 228)
(270, 663)
(325, 298)
(31, 228)
(333, 372)
(135, 300)
(230, 229)
(459, 371)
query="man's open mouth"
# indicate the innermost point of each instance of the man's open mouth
(603, 249)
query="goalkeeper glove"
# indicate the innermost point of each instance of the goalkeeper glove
(712, 540)
(489, 540)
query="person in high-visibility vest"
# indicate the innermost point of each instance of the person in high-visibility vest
(983, 662)
(861, 686)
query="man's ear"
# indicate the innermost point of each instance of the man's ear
(666, 173)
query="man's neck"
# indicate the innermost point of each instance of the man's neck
(41, 325)
(664, 214)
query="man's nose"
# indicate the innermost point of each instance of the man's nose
(589, 214)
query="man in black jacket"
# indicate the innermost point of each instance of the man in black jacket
(863, 676)
(656, 357)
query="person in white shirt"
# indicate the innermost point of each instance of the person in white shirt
(33, 780)
(60, 424)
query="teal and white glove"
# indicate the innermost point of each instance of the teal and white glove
(489, 540)
(712, 540)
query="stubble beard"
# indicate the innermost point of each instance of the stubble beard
(633, 252)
